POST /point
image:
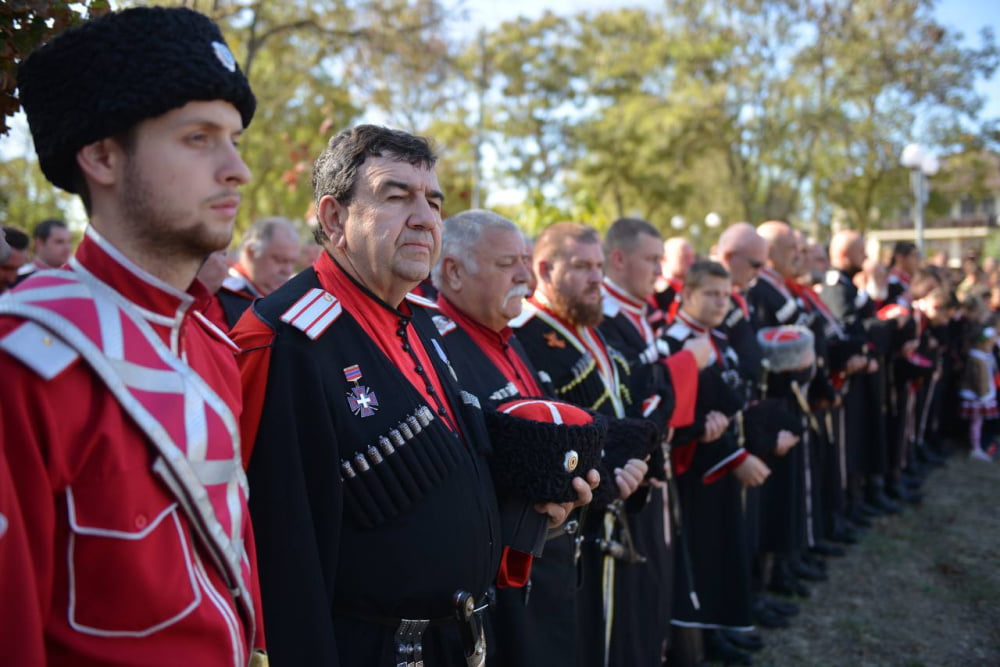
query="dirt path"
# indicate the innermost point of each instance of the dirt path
(920, 589)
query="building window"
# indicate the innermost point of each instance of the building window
(967, 207)
(989, 206)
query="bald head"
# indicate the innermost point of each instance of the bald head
(743, 252)
(782, 248)
(678, 256)
(847, 251)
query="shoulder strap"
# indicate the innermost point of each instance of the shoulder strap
(165, 398)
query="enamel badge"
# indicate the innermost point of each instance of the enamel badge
(552, 339)
(360, 398)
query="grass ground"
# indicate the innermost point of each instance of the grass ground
(920, 589)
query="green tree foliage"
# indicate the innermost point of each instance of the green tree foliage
(755, 109)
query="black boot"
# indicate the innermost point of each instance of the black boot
(747, 641)
(882, 503)
(718, 649)
(826, 549)
(767, 617)
(898, 491)
(780, 606)
(813, 559)
(807, 572)
(784, 581)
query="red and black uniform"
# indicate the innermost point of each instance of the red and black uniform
(585, 371)
(372, 497)
(783, 498)
(851, 307)
(234, 297)
(714, 528)
(534, 624)
(121, 503)
(664, 304)
(663, 387)
(899, 287)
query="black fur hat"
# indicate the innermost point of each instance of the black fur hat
(628, 438)
(101, 78)
(540, 445)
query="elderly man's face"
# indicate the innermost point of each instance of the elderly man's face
(275, 264)
(492, 285)
(392, 231)
(745, 262)
(785, 255)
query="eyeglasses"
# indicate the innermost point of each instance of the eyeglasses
(754, 264)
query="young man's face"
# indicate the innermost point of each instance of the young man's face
(573, 282)
(179, 187)
(709, 302)
(56, 249)
(642, 265)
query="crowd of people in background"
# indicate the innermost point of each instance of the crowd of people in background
(427, 438)
(900, 372)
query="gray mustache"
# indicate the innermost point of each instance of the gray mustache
(517, 292)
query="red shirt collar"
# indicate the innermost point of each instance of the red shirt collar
(626, 300)
(691, 323)
(478, 331)
(105, 262)
(496, 346)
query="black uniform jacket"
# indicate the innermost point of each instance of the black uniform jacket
(367, 508)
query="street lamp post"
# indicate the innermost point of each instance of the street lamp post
(921, 163)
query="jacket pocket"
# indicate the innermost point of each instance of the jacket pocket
(131, 570)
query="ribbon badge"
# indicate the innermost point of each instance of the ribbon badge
(360, 398)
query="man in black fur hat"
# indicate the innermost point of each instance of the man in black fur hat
(121, 436)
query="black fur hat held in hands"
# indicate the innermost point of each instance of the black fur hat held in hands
(101, 78)
(540, 445)
(627, 439)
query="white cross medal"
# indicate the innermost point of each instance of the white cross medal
(360, 398)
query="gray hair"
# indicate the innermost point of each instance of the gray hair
(460, 234)
(259, 235)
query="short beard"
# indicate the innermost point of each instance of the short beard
(577, 312)
(160, 227)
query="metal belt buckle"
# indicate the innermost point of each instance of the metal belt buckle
(409, 642)
(470, 628)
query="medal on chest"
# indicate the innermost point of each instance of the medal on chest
(362, 400)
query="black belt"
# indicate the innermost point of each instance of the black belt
(409, 636)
